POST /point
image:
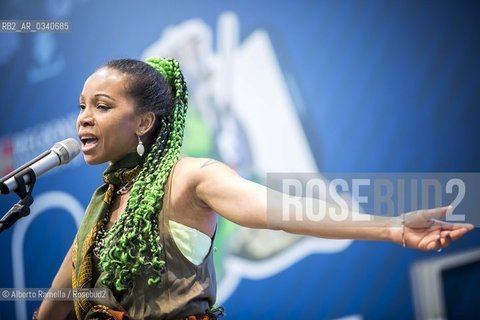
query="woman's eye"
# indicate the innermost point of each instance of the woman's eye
(81, 107)
(103, 107)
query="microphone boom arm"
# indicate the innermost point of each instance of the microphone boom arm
(22, 207)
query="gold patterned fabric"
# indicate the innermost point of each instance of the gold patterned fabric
(83, 277)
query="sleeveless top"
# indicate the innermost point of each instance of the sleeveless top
(185, 288)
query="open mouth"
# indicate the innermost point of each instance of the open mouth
(88, 142)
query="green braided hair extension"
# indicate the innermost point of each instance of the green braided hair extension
(132, 246)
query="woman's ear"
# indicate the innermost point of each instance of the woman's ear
(146, 123)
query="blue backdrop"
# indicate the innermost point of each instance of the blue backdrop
(378, 86)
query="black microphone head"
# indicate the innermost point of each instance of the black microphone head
(66, 150)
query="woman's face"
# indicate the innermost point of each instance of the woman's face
(107, 123)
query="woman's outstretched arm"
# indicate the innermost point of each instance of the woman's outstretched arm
(255, 206)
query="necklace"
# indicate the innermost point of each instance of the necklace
(101, 235)
(126, 187)
(102, 232)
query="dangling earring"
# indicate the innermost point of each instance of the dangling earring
(140, 147)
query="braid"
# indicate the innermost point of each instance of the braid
(132, 246)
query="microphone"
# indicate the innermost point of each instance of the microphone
(61, 153)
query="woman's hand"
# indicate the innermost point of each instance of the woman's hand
(424, 231)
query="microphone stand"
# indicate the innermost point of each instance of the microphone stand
(22, 207)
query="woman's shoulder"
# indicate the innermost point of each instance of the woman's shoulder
(189, 168)
(196, 164)
(195, 169)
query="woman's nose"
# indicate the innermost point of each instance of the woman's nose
(85, 118)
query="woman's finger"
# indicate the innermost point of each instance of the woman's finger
(453, 226)
(445, 241)
(457, 233)
(430, 241)
(435, 213)
(433, 244)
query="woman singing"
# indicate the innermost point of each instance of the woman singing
(146, 237)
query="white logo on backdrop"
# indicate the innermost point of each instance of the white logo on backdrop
(243, 101)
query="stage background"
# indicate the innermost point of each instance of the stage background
(364, 86)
